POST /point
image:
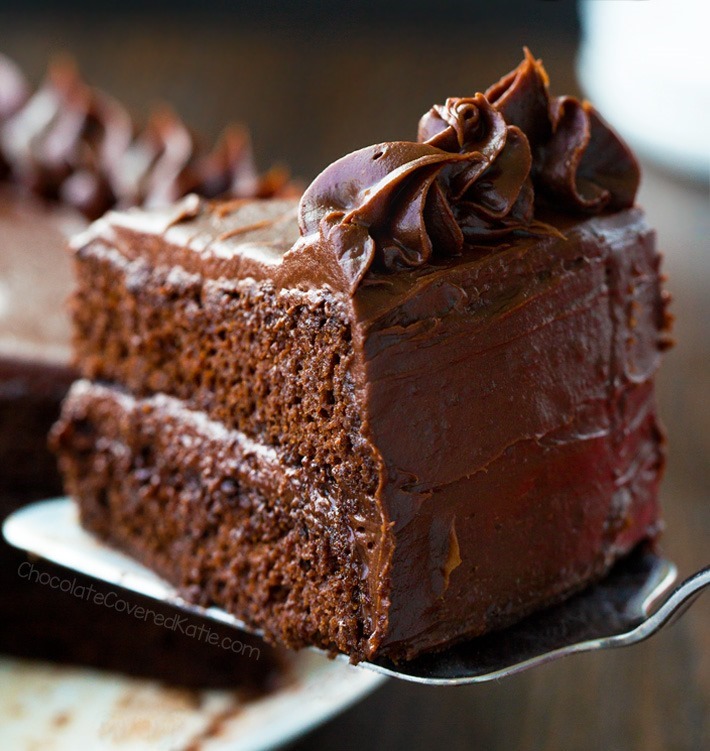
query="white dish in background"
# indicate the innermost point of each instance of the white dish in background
(644, 65)
(58, 708)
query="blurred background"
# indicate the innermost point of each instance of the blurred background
(314, 80)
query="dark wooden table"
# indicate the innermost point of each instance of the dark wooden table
(310, 100)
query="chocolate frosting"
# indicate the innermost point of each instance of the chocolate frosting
(73, 143)
(389, 206)
(481, 168)
(579, 162)
(156, 168)
(585, 166)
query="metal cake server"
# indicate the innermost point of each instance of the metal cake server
(632, 603)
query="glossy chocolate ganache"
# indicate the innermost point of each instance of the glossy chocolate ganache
(417, 404)
(483, 169)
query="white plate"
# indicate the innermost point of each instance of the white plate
(58, 708)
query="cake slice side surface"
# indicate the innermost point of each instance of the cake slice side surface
(511, 398)
(301, 556)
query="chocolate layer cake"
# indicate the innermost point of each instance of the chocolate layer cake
(406, 410)
(68, 152)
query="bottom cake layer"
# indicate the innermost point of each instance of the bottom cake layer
(223, 518)
(213, 512)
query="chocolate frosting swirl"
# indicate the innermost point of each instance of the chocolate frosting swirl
(73, 143)
(388, 206)
(383, 204)
(229, 170)
(480, 169)
(579, 163)
(492, 195)
(522, 97)
(585, 166)
(155, 169)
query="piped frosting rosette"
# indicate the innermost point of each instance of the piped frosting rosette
(480, 169)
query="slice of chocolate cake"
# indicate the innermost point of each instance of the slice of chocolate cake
(407, 410)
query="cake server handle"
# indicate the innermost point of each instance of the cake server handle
(669, 610)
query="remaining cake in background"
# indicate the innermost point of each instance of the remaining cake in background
(407, 410)
(68, 152)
